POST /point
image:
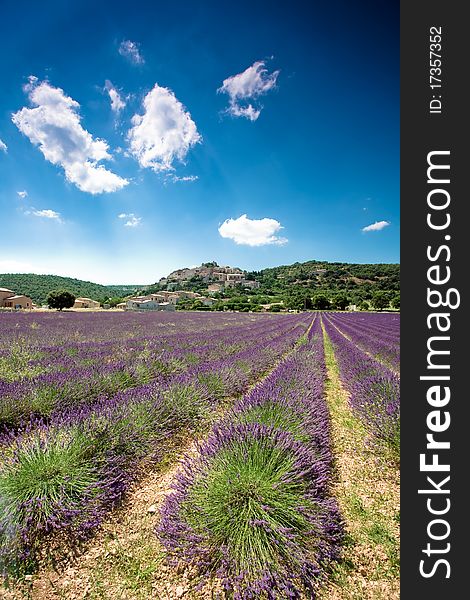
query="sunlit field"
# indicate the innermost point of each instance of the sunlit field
(242, 423)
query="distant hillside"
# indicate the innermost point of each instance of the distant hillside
(359, 280)
(318, 276)
(38, 286)
(290, 284)
(295, 286)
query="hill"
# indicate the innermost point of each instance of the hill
(359, 280)
(38, 286)
(296, 286)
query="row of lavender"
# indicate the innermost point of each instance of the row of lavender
(96, 327)
(378, 334)
(59, 476)
(72, 373)
(374, 388)
(33, 343)
(253, 507)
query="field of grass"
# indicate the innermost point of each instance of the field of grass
(199, 455)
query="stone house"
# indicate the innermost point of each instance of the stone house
(8, 299)
(86, 303)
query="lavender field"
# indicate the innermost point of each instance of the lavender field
(90, 404)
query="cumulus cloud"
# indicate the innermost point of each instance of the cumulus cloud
(22, 194)
(377, 226)
(131, 51)
(164, 133)
(117, 103)
(45, 213)
(54, 125)
(244, 88)
(3, 146)
(132, 219)
(252, 232)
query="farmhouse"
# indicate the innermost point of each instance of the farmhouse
(86, 303)
(157, 297)
(251, 284)
(230, 278)
(180, 294)
(206, 301)
(8, 299)
(175, 296)
(144, 303)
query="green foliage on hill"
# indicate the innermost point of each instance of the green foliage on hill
(323, 285)
(38, 287)
(299, 286)
(357, 281)
(303, 286)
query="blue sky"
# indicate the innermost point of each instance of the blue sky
(137, 138)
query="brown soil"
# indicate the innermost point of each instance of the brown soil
(367, 490)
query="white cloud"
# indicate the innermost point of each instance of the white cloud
(3, 146)
(175, 178)
(377, 226)
(54, 125)
(22, 194)
(131, 51)
(249, 112)
(252, 232)
(248, 86)
(132, 219)
(117, 103)
(164, 133)
(45, 213)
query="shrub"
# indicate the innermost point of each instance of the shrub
(249, 510)
(46, 483)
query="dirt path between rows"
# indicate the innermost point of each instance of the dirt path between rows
(366, 486)
(125, 560)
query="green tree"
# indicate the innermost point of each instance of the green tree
(60, 299)
(210, 264)
(341, 302)
(363, 305)
(298, 299)
(113, 302)
(396, 301)
(380, 300)
(320, 302)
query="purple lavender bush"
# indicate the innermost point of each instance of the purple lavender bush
(250, 510)
(253, 508)
(374, 389)
(46, 484)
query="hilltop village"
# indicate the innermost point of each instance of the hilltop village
(316, 285)
(168, 295)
